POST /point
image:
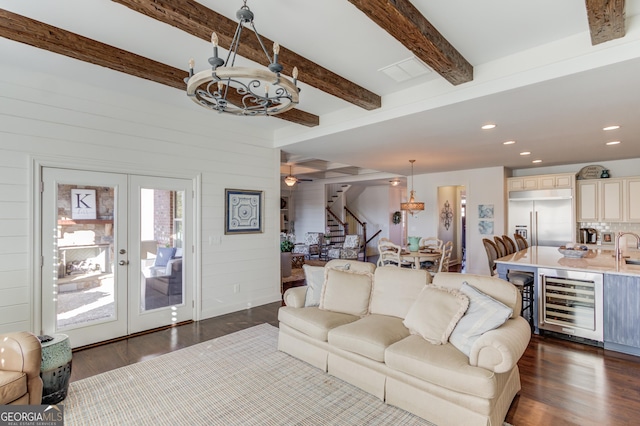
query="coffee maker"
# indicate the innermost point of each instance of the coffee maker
(588, 236)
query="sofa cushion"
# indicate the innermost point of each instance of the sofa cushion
(13, 384)
(312, 321)
(395, 289)
(369, 336)
(484, 314)
(314, 278)
(346, 291)
(442, 365)
(435, 313)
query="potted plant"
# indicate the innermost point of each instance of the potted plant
(286, 247)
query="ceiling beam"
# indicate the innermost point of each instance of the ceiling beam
(198, 20)
(403, 21)
(606, 20)
(44, 36)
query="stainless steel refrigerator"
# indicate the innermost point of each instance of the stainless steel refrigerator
(543, 217)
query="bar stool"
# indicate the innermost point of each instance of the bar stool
(522, 280)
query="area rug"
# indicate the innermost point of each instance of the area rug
(238, 379)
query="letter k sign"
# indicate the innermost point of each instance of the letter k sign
(83, 203)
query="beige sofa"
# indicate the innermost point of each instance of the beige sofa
(358, 334)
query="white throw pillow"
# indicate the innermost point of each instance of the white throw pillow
(435, 313)
(485, 313)
(314, 277)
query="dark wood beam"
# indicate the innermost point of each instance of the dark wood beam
(197, 20)
(44, 36)
(606, 20)
(405, 23)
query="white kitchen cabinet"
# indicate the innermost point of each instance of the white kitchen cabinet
(611, 200)
(632, 198)
(588, 203)
(522, 183)
(600, 200)
(554, 181)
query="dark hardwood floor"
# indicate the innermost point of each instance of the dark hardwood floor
(563, 383)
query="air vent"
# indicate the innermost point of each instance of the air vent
(406, 69)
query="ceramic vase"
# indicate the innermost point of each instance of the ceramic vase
(414, 243)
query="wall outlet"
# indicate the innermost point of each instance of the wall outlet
(236, 288)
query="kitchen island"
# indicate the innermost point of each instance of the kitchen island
(606, 310)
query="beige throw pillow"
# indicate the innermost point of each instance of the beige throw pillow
(346, 292)
(435, 313)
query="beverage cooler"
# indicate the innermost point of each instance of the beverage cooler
(570, 303)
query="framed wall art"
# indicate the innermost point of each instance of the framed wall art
(485, 227)
(243, 211)
(608, 237)
(485, 211)
(83, 203)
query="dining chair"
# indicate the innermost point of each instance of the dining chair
(433, 243)
(510, 244)
(521, 242)
(430, 243)
(389, 253)
(446, 256)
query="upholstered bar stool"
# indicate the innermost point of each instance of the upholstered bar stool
(522, 280)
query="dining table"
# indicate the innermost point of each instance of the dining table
(420, 256)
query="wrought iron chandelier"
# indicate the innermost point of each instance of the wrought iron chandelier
(412, 205)
(240, 90)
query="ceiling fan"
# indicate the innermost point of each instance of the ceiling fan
(291, 180)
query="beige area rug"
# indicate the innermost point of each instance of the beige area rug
(238, 379)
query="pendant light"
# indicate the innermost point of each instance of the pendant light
(412, 205)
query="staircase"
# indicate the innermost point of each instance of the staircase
(335, 203)
(341, 221)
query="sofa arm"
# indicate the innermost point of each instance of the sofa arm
(22, 351)
(499, 350)
(295, 296)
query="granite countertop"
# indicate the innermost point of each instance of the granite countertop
(596, 260)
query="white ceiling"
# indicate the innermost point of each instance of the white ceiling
(536, 75)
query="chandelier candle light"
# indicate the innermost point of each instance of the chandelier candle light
(412, 205)
(240, 90)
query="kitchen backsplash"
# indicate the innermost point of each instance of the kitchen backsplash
(612, 227)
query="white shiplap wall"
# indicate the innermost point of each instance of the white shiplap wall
(53, 121)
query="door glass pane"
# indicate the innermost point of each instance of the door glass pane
(161, 242)
(84, 256)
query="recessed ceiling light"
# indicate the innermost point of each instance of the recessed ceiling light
(488, 126)
(537, 161)
(508, 143)
(610, 128)
(525, 153)
(613, 143)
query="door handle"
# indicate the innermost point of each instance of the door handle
(123, 262)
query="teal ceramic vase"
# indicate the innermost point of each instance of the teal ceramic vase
(414, 243)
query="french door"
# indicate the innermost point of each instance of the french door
(116, 254)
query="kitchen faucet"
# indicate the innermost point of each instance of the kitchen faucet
(618, 251)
